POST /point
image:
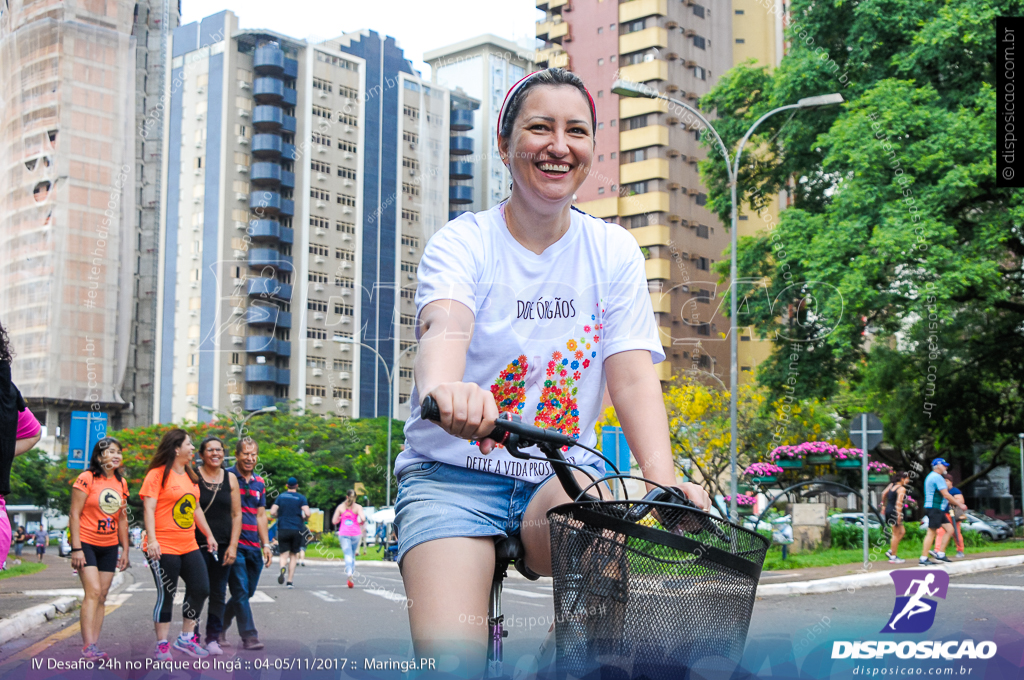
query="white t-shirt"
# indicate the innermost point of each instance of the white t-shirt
(544, 324)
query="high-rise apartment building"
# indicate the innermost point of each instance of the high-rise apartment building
(301, 184)
(485, 68)
(75, 226)
(645, 174)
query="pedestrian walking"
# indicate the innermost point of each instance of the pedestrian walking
(19, 542)
(894, 496)
(222, 506)
(955, 516)
(41, 539)
(936, 501)
(98, 524)
(170, 501)
(292, 510)
(19, 432)
(253, 543)
(349, 519)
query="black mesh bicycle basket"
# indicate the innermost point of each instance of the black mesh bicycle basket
(651, 598)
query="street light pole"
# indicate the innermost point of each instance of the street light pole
(239, 424)
(391, 400)
(1020, 438)
(625, 88)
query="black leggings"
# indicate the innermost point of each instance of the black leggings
(192, 570)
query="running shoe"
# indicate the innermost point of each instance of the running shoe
(889, 555)
(290, 584)
(941, 557)
(252, 643)
(190, 647)
(350, 584)
(93, 653)
(933, 553)
(896, 560)
(924, 562)
(959, 554)
(163, 651)
(213, 647)
(280, 577)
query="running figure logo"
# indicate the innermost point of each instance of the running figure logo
(913, 612)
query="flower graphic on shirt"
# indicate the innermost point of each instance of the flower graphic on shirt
(509, 389)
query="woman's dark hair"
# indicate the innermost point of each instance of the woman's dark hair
(5, 346)
(95, 464)
(551, 76)
(166, 452)
(203, 444)
(949, 477)
(898, 477)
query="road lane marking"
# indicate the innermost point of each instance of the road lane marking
(56, 592)
(325, 596)
(984, 586)
(259, 597)
(387, 594)
(524, 593)
(48, 642)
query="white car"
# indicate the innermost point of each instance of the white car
(856, 518)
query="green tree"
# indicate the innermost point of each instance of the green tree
(895, 275)
(29, 474)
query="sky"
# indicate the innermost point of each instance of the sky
(418, 26)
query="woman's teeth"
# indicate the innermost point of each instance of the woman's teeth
(554, 167)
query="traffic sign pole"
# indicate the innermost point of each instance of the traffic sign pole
(868, 428)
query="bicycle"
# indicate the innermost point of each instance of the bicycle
(636, 559)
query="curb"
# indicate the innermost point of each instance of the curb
(37, 615)
(880, 578)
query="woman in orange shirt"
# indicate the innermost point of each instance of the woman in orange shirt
(170, 499)
(98, 523)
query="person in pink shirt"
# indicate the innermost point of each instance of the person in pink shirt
(19, 432)
(349, 519)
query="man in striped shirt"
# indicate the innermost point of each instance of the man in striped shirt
(253, 544)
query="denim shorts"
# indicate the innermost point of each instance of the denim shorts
(438, 500)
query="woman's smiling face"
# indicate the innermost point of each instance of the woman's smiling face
(552, 144)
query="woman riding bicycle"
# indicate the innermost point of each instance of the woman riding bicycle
(531, 307)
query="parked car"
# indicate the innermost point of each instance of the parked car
(992, 529)
(856, 518)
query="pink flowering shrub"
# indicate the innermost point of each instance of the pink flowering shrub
(763, 470)
(742, 499)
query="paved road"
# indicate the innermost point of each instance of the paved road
(322, 618)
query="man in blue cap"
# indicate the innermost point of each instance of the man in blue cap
(936, 502)
(292, 510)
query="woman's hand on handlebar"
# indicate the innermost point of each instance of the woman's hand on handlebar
(697, 495)
(467, 411)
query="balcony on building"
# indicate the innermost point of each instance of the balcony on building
(269, 202)
(657, 269)
(553, 57)
(553, 30)
(655, 36)
(254, 402)
(268, 90)
(260, 373)
(284, 376)
(264, 230)
(288, 151)
(268, 60)
(267, 118)
(288, 179)
(460, 194)
(638, 9)
(269, 257)
(267, 145)
(291, 68)
(288, 123)
(265, 173)
(261, 344)
(287, 233)
(461, 120)
(645, 71)
(289, 97)
(460, 146)
(460, 170)
(552, 5)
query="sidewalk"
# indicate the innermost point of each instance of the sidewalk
(818, 573)
(57, 575)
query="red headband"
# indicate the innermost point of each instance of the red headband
(518, 86)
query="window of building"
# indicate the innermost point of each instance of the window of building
(316, 305)
(319, 222)
(410, 189)
(699, 73)
(315, 333)
(636, 122)
(614, 154)
(240, 187)
(410, 241)
(702, 295)
(600, 190)
(349, 92)
(600, 62)
(702, 231)
(323, 140)
(243, 75)
(350, 201)
(321, 112)
(410, 137)
(321, 84)
(336, 61)
(316, 391)
(316, 362)
(408, 293)
(600, 126)
(346, 119)
(633, 188)
(699, 42)
(320, 194)
(342, 392)
(633, 58)
(243, 103)
(739, 11)
(344, 310)
(342, 364)
(317, 277)
(600, 30)
(347, 146)
(632, 26)
(612, 122)
(410, 267)
(347, 173)
(318, 166)
(410, 215)
(410, 163)
(345, 227)
(407, 319)
(613, 58)
(342, 282)
(698, 10)
(241, 158)
(740, 41)
(411, 112)
(702, 199)
(317, 249)
(701, 263)
(406, 344)
(346, 255)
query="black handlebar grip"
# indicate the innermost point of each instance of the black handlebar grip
(429, 409)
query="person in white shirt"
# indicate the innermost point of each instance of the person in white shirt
(531, 307)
